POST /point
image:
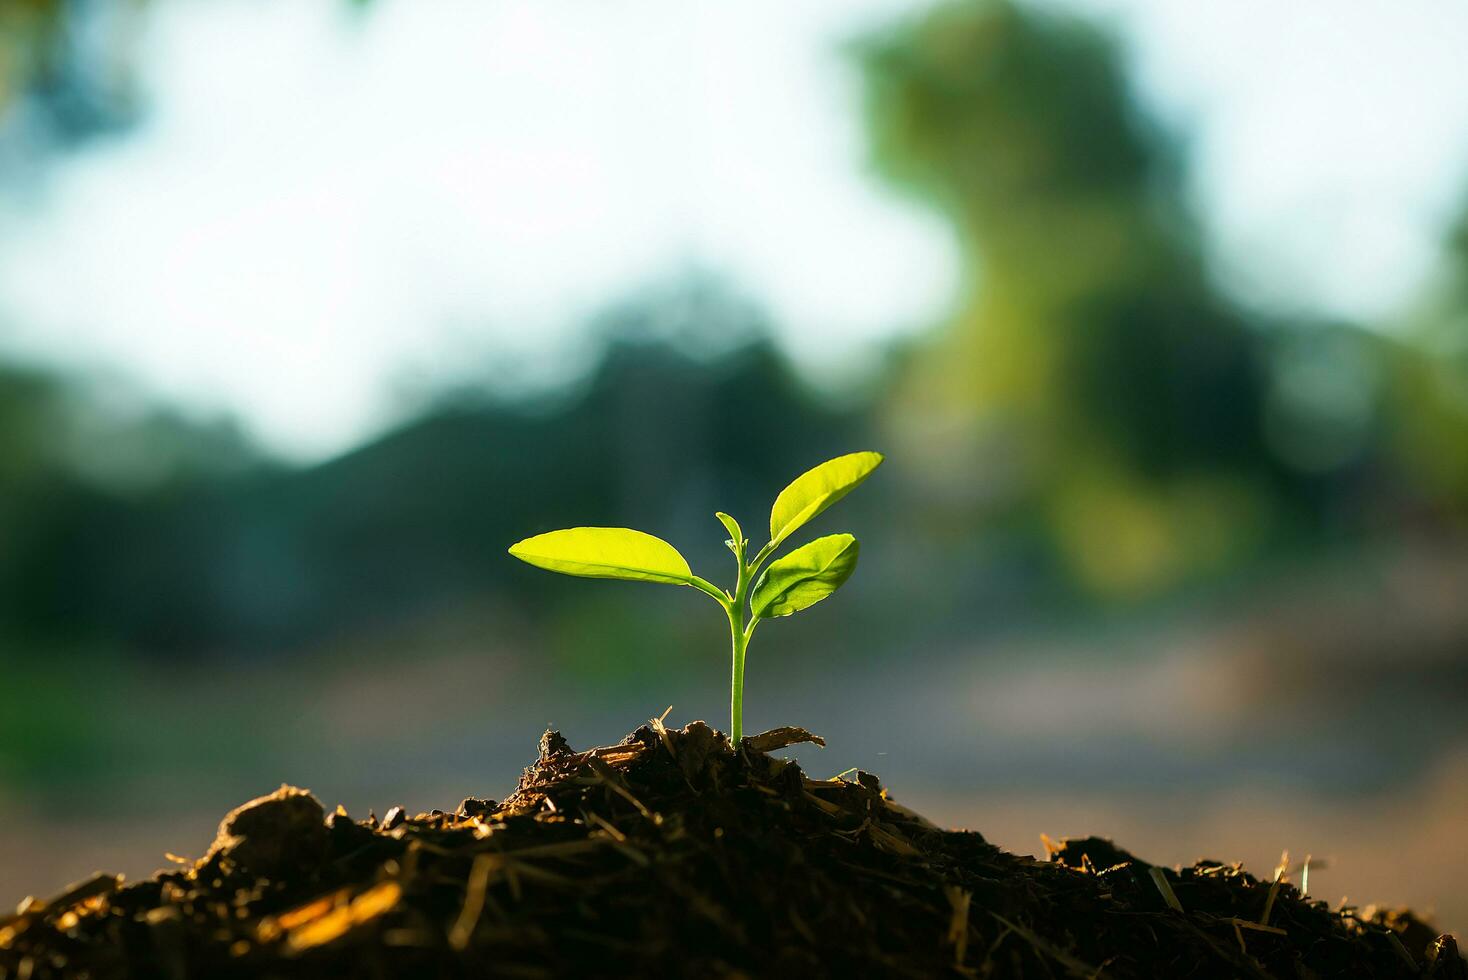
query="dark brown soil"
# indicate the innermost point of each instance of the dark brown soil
(671, 854)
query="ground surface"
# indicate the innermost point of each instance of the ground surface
(672, 854)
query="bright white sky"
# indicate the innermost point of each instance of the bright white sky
(313, 212)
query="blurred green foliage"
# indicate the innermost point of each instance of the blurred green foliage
(72, 63)
(228, 553)
(1095, 416)
(1429, 380)
(1094, 384)
(28, 30)
(1091, 375)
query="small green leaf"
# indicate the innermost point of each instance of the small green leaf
(736, 536)
(606, 552)
(804, 577)
(816, 489)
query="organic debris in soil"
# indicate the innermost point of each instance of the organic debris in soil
(672, 854)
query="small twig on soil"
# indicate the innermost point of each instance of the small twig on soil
(960, 899)
(662, 731)
(1072, 964)
(1159, 878)
(614, 783)
(1257, 927)
(484, 867)
(1396, 944)
(1284, 864)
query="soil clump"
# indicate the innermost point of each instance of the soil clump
(675, 854)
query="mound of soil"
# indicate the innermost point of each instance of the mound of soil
(673, 854)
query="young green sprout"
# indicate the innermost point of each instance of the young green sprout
(797, 581)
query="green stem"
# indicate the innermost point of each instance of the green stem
(736, 697)
(707, 587)
(735, 607)
(759, 558)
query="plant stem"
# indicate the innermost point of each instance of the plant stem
(735, 608)
(736, 697)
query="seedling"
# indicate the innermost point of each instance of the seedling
(797, 581)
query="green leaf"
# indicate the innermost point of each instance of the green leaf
(606, 552)
(816, 489)
(736, 535)
(804, 577)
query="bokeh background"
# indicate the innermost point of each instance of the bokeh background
(309, 308)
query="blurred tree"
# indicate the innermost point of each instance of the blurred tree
(28, 31)
(67, 71)
(174, 539)
(421, 517)
(72, 472)
(1429, 385)
(1092, 390)
(1092, 382)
